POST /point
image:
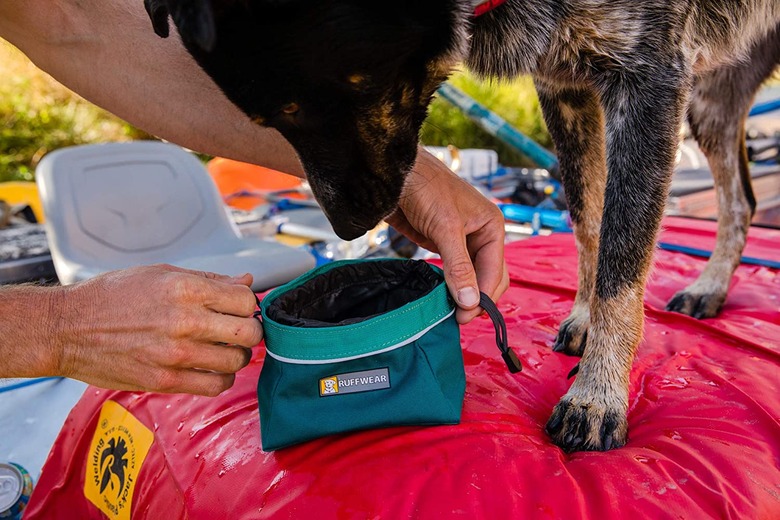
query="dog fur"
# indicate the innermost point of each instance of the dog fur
(614, 80)
(348, 81)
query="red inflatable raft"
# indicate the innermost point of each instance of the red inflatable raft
(704, 423)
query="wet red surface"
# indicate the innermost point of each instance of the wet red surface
(704, 422)
(768, 217)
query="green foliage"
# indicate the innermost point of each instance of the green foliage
(515, 101)
(38, 115)
(27, 133)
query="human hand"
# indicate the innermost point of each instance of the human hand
(157, 328)
(443, 213)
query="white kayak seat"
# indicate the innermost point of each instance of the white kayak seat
(118, 205)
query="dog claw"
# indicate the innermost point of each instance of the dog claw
(698, 306)
(566, 340)
(554, 424)
(586, 427)
(676, 303)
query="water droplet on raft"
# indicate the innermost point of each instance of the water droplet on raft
(221, 473)
(181, 425)
(677, 382)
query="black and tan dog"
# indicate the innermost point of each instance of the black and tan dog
(347, 82)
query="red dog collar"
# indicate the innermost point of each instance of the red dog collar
(481, 7)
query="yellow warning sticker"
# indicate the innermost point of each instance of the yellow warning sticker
(118, 450)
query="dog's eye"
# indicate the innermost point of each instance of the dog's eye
(290, 108)
(358, 80)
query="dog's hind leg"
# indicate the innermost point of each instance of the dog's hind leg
(643, 109)
(576, 123)
(717, 114)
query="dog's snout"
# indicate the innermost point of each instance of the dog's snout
(349, 230)
(352, 211)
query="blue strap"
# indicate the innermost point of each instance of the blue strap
(764, 108)
(26, 382)
(773, 264)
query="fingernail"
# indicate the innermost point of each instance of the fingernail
(468, 297)
(239, 277)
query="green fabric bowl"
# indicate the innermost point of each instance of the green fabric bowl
(359, 344)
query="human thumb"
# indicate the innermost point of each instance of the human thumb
(459, 274)
(242, 279)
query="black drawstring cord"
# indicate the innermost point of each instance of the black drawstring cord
(258, 313)
(510, 358)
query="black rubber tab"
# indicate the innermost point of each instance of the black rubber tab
(511, 360)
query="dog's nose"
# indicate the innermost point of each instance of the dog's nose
(349, 230)
(352, 214)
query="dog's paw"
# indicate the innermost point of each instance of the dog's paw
(573, 334)
(579, 425)
(696, 304)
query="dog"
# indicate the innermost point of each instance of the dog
(348, 82)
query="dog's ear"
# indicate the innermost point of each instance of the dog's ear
(193, 18)
(158, 13)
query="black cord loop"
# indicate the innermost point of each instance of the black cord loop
(510, 358)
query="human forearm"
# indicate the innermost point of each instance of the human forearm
(28, 340)
(158, 328)
(107, 52)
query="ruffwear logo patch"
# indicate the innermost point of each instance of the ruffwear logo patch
(354, 382)
(119, 446)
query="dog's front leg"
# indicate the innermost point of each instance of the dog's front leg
(576, 123)
(643, 111)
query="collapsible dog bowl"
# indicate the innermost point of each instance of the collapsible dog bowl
(359, 344)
